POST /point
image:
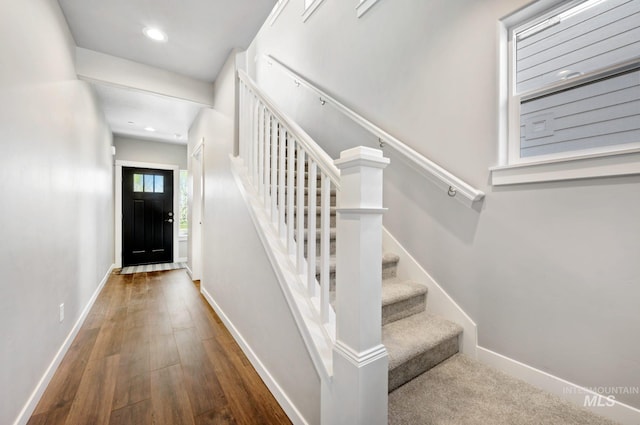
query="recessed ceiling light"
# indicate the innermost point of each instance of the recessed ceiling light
(155, 34)
(150, 129)
(131, 123)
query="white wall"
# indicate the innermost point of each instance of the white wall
(56, 179)
(129, 149)
(549, 272)
(236, 271)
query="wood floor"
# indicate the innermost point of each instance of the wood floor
(152, 351)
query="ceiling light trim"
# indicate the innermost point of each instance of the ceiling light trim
(155, 34)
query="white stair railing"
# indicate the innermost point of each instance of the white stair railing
(285, 165)
(290, 172)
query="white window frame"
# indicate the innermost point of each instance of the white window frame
(277, 10)
(513, 169)
(363, 6)
(310, 6)
(183, 235)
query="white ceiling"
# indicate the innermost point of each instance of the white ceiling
(129, 111)
(201, 34)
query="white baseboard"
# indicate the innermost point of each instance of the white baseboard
(438, 301)
(189, 272)
(285, 402)
(31, 404)
(566, 390)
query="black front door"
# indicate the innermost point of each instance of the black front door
(147, 216)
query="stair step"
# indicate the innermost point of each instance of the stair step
(332, 197)
(388, 261)
(332, 192)
(416, 344)
(389, 265)
(332, 210)
(332, 240)
(402, 298)
(332, 234)
(332, 217)
(306, 175)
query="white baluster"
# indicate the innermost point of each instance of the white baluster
(261, 141)
(255, 113)
(325, 226)
(282, 145)
(360, 361)
(247, 125)
(300, 262)
(291, 156)
(311, 228)
(274, 170)
(267, 161)
(254, 144)
(240, 115)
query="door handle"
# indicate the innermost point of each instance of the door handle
(169, 220)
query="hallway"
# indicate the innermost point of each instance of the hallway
(152, 351)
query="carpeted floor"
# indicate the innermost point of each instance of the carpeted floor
(152, 268)
(460, 391)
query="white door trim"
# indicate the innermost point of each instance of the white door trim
(118, 204)
(196, 168)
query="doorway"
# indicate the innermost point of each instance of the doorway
(147, 216)
(120, 165)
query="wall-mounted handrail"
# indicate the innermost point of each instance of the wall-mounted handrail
(455, 187)
(324, 161)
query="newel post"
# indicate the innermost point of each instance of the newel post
(360, 361)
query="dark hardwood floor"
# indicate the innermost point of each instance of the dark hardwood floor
(152, 351)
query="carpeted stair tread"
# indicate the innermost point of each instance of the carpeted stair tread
(402, 298)
(463, 391)
(395, 290)
(389, 265)
(332, 233)
(416, 344)
(332, 191)
(416, 334)
(388, 260)
(389, 257)
(332, 210)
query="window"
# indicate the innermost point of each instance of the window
(363, 6)
(574, 82)
(184, 201)
(277, 9)
(310, 6)
(148, 183)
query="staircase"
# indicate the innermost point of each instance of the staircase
(416, 340)
(362, 325)
(378, 338)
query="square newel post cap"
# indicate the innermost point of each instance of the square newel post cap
(361, 156)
